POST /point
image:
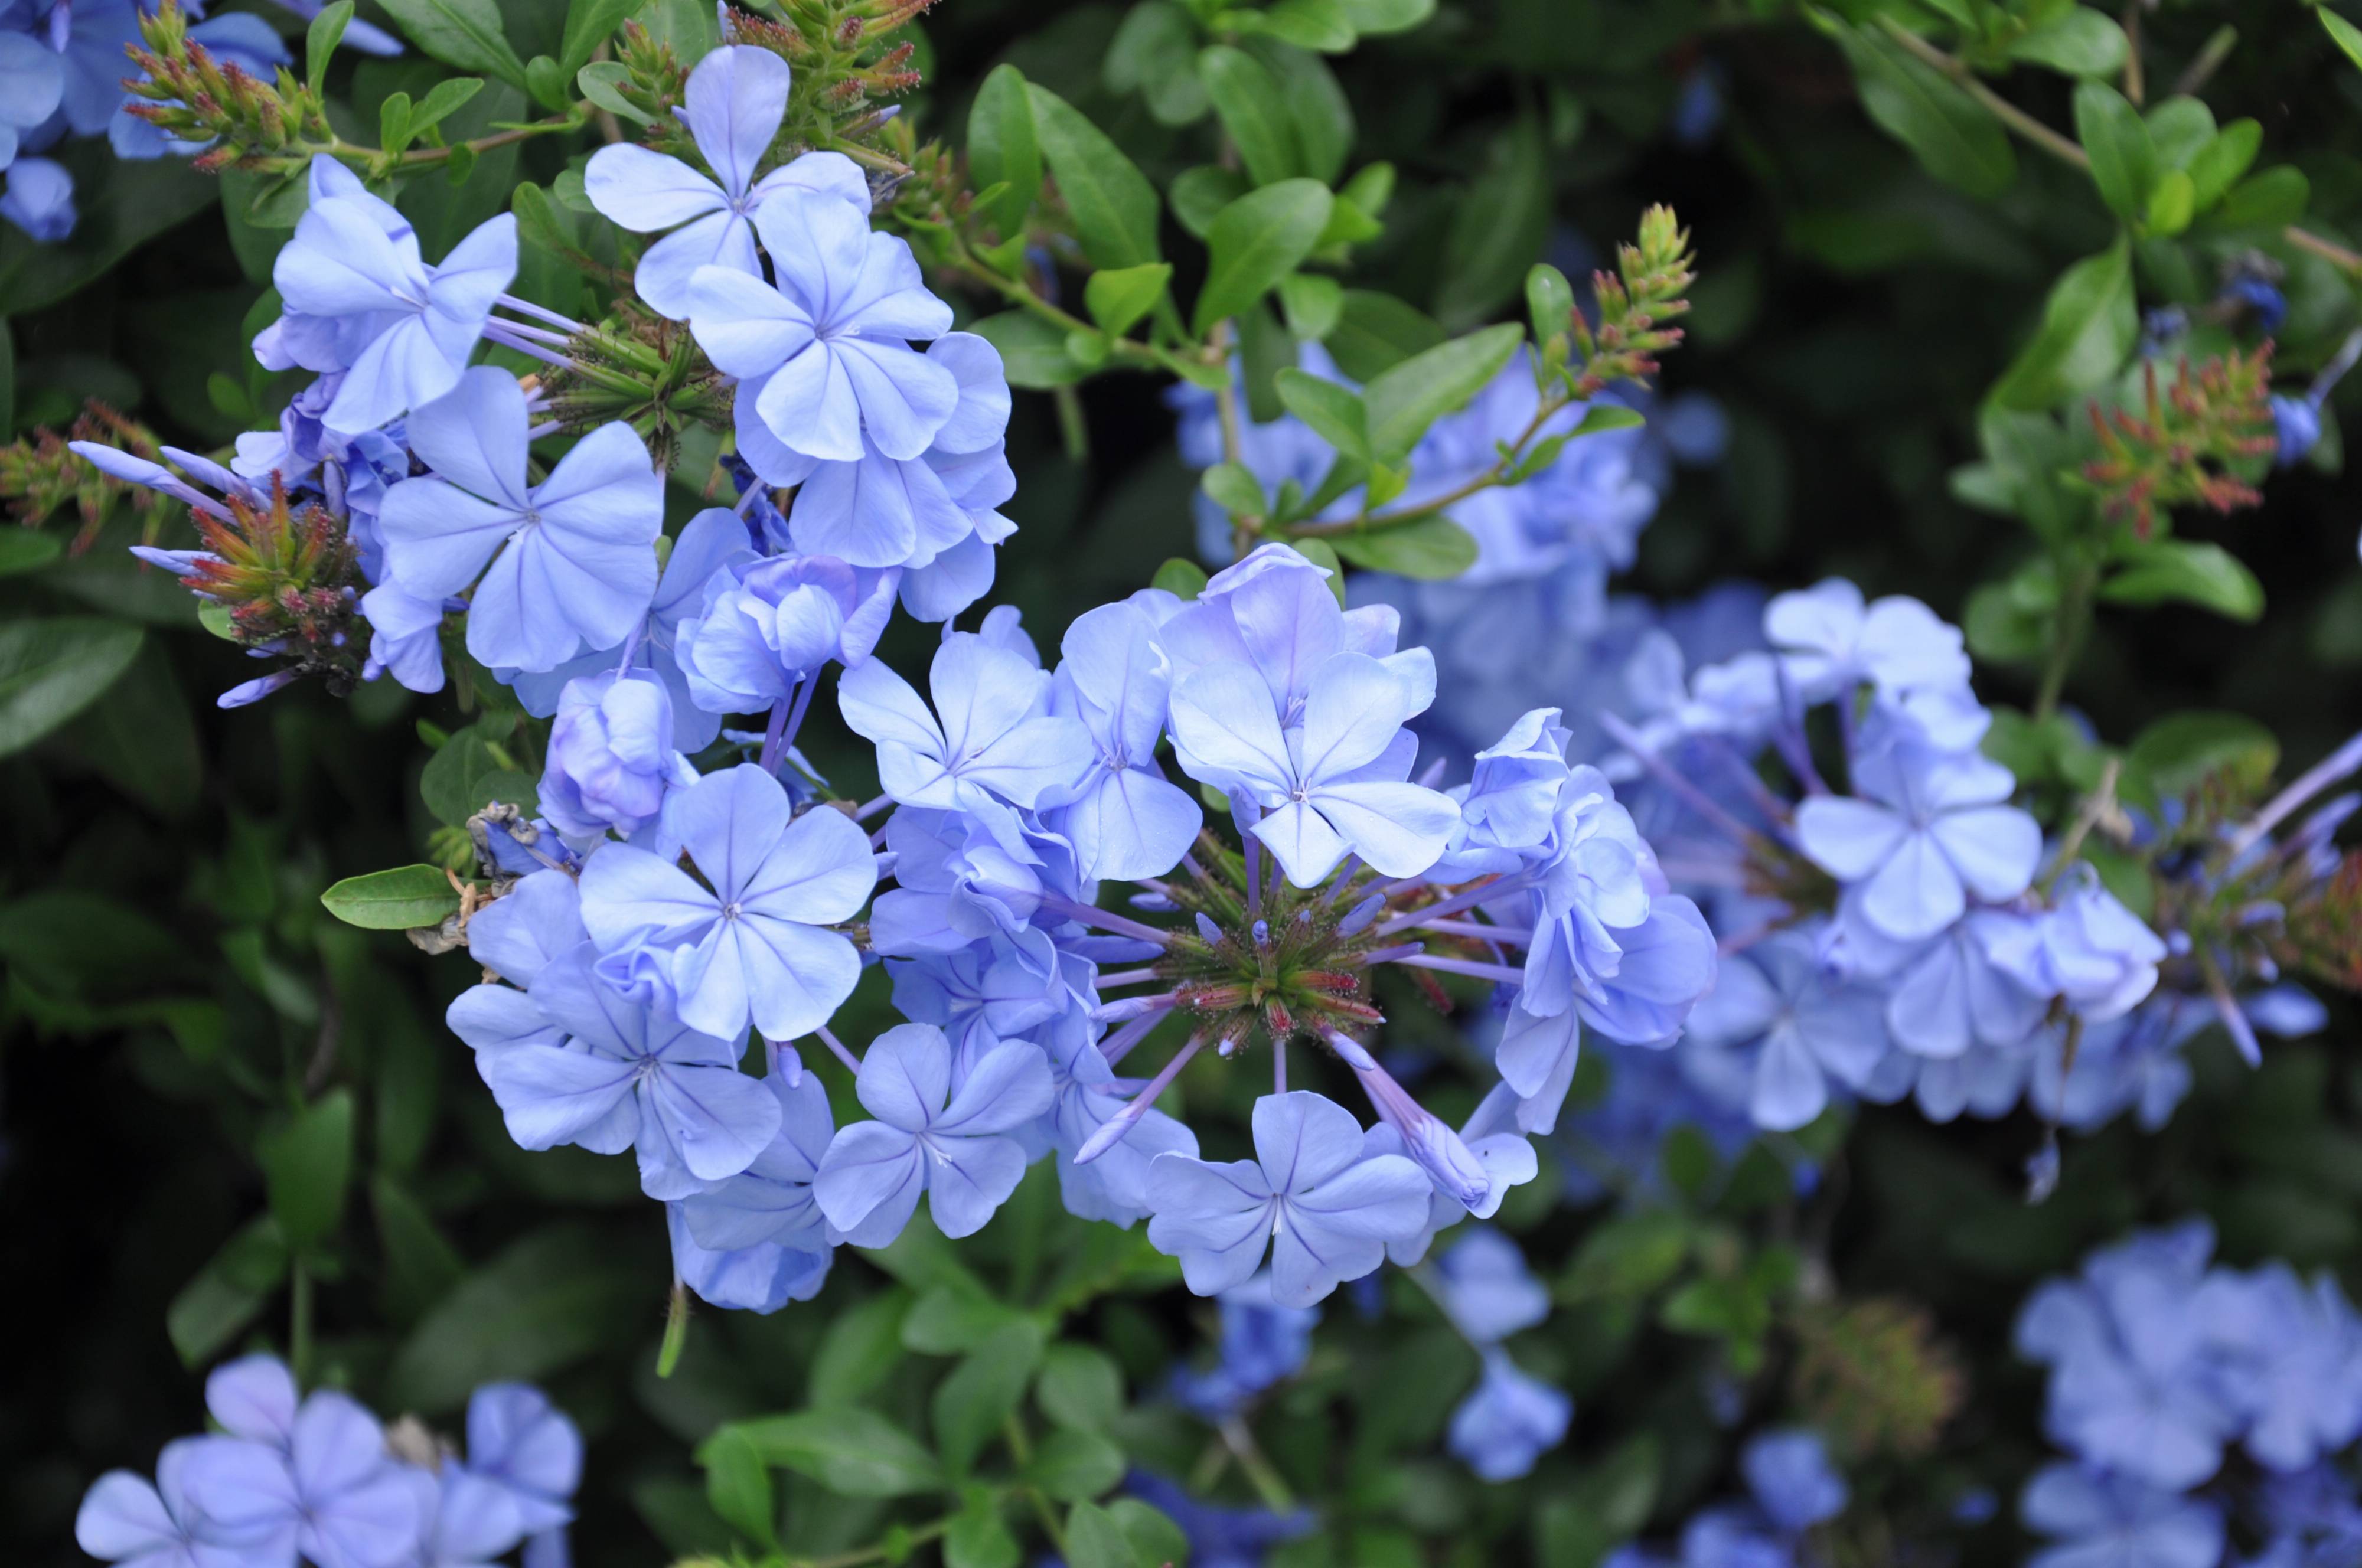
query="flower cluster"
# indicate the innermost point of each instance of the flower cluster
(1791, 1488)
(315, 1477)
(2189, 1396)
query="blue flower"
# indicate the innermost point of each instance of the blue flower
(127, 1519)
(1114, 1185)
(1334, 786)
(2295, 429)
(928, 1138)
(2297, 1358)
(1775, 1001)
(31, 84)
(1486, 1288)
(521, 1442)
(1925, 829)
(1954, 995)
(2087, 949)
(1323, 1205)
(1792, 1480)
(1275, 612)
(465, 1521)
(1220, 1537)
(2117, 1521)
(760, 1278)
(751, 941)
(766, 625)
(824, 359)
(995, 743)
(771, 1203)
(1126, 819)
(405, 637)
(90, 37)
(402, 330)
(326, 1487)
(625, 1073)
(572, 559)
(39, 199)
(733, 106)
(1507, 1422)
(611, 761)
(1261, 1345)
(1831, 641)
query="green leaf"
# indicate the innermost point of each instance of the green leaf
(854, 1452)
(130, 203)
(2203, 574)
(465, 33)
(1095, 1541)
(977, 1539)
(393, 124)
(1602, 416)
(2175, 755)
(738, 1485)
(1954, 137)
(2124, 158)
(2173, 203)
(2271, 199)
(228, 1293)
(1335, 413)
(1432, 548)
(53, 667)
(601, 81)
(467, 775)
(1498, 227)
(1234, 488)
(320, 40)
(1248, 100)
(1606, 1507)
(1183, 580)
(1033, 351)
(1257, 241)
(588, 24)
(1630, 1257)
(1120, 296)
(861, 1346)
(544, 1304)
(2178, 127)
(1312, 302)
(2216, 166)
(1322, 555)
(142, 738)
(1549, 301)
(1004, 149)
(305, 1164)
(2348, 36)
(1376, 331)
(1371, 17)
(397, 899)
(1111, 202)
(1406, 399)
(448, 96)
(1080, 1386)
(1073, 1465)
(2088, 326)
(982, 1393)
(1306, 23)
(1154, 1538)
(23, 550)
(1200, 194)
(421, 1266)
(1318, 109)
(2084, 42)
(1153, 53)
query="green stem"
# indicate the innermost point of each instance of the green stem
(1370, 521)
(299, 1323)
(2074, 618)
(1017, 294)
(1269, 1484)
(1021, 1449)
(918, 1536)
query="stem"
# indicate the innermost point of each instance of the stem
(2135, 87)
(1505, 936)
(1268, 1482)
(1499, 974)
(1453, 497)
(803, 704)
(1025, 299)
(1021, 1449)
(772, 734)
(299, 1323)
(836, 1048)
(2097, 804)
(1074, 435)
(2066, 638)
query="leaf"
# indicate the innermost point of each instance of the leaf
(1080, 1386)
(2081, 43)
(1406, 399)
(1498, 228)
(1953, 136)
(1316, 106)
(1095, 1541)
(1371, 17)
(1335, 413)
(588, 24)
(2088, 325)
(467, 775)
(1322, 555)
(120, 205)
(1153, 53)
(320, 40)
(1004, 149)
(465, 33)
(23, 550)
(982, 1393)
(447, 97)
(1312, 302)
(1306, 23)
(2173, 203)
(1154, 1538)
(2203, 574)
(2348, 36)
(226, 1295)
(2124, 158)
(1549, 301)
(738, 1485)
(2178, 127)
(53, 667)
(1257, 241)
(601, 81)
(1602, 416)
(1120, 296)
(1432, 549)
(977, 1539)
(1033, 351)
(421, 1266)
(1248, 100)
(1606, 1507)
(1183, 580)
(2175, 753)
(861, 1346)
(2222, 160)
(396, 899)
(1073, 1465)
(854, 1452)
(1111, 202)
(2272, 199)
(1200, 194)
(305, 1164)
(141, 738)
(1376, 331)
(544, 1304)
(1234, 488)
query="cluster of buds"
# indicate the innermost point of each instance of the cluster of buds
(1634, 307)
(40, 476)
(1873, 1378)
(2177, 448)
(287, 575)
(191, 96)
(644, 371)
